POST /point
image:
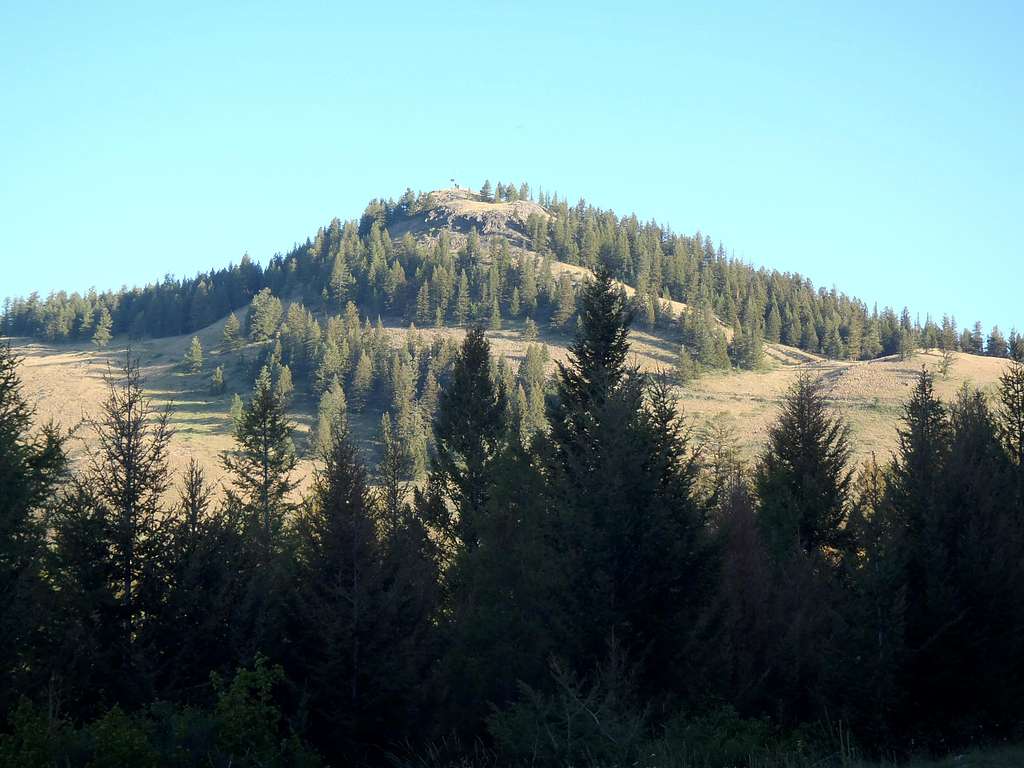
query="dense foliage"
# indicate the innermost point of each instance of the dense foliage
(589, 584)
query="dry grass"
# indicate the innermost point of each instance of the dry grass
(66, 384)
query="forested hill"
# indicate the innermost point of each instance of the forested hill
(452, 257)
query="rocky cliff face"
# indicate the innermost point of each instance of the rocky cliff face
(460, 210)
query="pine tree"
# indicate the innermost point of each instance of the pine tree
(101, 336)
(834, 343)
(394, 469)
(423, 314)
(217, 384)
(341, 280)
(773, 324)
(916, 477)
(803, 477)
(565, 302)
(514, 305)
(118, 507)
(194, 357)
(872, 346)
(31, 468)
(265, 314)
(283, 386)
(996, 345)
(977, 340)
(232, 337)
(1011, 413)
(1015, 346)
(199, 564)
(495, 323)
(332, 418)
(485, 192)
(687, 369)
(907, 343)
(469, 432)
(362, 381)
(620, 513)
(365, 610)
(260, 467)
(462, 300)
(748, 348)
(235, 411)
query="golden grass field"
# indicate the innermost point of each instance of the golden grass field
(66, 384)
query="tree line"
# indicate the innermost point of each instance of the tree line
(486, 281)
(607, 589)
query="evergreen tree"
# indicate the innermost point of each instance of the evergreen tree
(341, 280)
(996, 345)
(235, 412)
(773, 324)
(362, 381)
(469, 431)
(485, 192)
(872, 341)
(194, 357)
(423, 315)
(495, 324)
(803, 477)
(687, 369)
(231, 340)
(462, 300)
(907, 343)
(217, 384)
(622, 518)
(283, 386)
(332, 418)
(264, 315)
(199, 565)
(748, 348)
(1015, 347)
(101, 336)
(977, 340)
(515, 305)
(1010, 413)
(31, 469)
(364, 613)
(565, 302)
(260, 467)
(114, 572)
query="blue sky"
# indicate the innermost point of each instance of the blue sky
(874, 147)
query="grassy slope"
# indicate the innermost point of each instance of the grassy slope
(67, 381)
(66, 384)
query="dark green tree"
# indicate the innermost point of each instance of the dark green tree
(803, 477)
(31, 469)
(260, 466)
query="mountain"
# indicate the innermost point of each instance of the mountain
(445, 259)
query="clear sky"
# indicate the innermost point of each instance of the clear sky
(876, 147)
